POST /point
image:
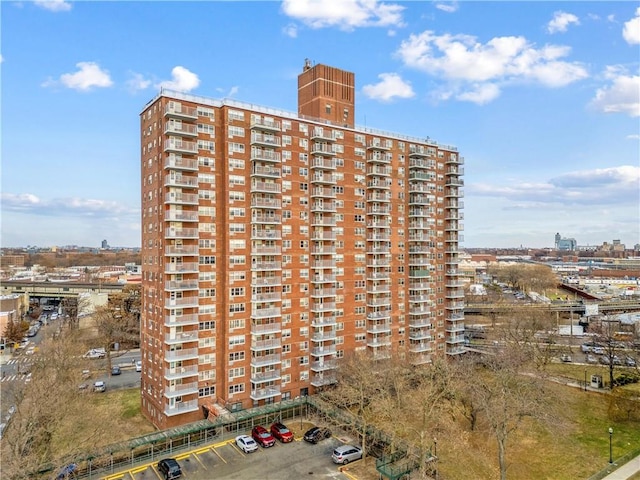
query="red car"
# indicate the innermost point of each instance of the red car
(281, 432)
(263, 437)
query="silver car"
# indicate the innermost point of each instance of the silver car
(346, 454)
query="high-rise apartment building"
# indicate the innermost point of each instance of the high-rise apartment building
(275, 243)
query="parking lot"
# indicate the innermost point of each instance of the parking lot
(225, 461)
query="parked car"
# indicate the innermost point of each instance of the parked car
(99, 386)
(565, 358)
(346, 454)
(281, 432)
(630, 362)
(262, 436)
(139, 366)
(170, 468)
(605, 360)
(95, 353)
(316, 434)
(598, 350)
(115, 370)
(591, 359)
(246, 443)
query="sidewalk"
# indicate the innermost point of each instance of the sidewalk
(626, 471)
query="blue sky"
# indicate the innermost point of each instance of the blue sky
(541, 98)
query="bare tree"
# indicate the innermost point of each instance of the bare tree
(605, 336)
(505, 397)
(118, 322)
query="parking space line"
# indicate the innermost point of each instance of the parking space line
(216, 452)
(133, 471)
(183, 456)
(200, 462)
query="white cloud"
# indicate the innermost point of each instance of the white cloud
(461, 59)
(291, 30)
(631, 29)
(561, 21)
(633, 136)
(622, 95)
(54, 5)
(72, 207)
(448, 7)
(88, 76)
(606, 186)
(137, 82)
(390, 86)
(182, 80)
(344, 14)
(232, 91)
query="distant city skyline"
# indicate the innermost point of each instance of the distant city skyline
(542, 99)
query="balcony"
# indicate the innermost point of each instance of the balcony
(454, 306)
(382, 223)
(323, 163)
(180, 408)
(321, 380)
(371, 275)
(379, 288)
(265, 234)
(417, 285)
(176, 162)
(262, 393)
(457, 350)
(180, 320)
(265, 124)
(323, 350)
(177, 110)
(268, 376)
(420, 334)
(325, 335)
(258, 171)
(318, 177)
(184, 129)
(453, 182)
(181, 355)
(379, 342)
(177, 146)
(259, 345)
(383, 314)
(420, 347)
(379, 210)
(379, 197)
(418, 151)
(454, 293)
(187, 302)
(454, 159)
(266, 281)
(378, 236)
(421, 199)
(180, 372)
(422, 321)
(179, 267)
(265, 312)
(265, 202)
(180, 285)
(328, 221)
(262, 218)
(379, 171)
(383, 185)
(323, 235)
(323, 292)
(323, 365)
(419, 298)
(323, 307)
(375, 328)
(263, 360)
(265, 187)
(379, 301)
(325, 192)
(266, 297)
(455, 328)
(182, 337)
(320, 264)
(181, 233)
(265, 250)
(265, 328)
(181, 251)
(322, 149)
(181, 198)
(324, 321)
(180, 216)
(376, 144)
(455, 339)
(419, 273)
(257, 154)
(378, 262)
(324, 207)
(264, 139)
(323, 249)
(319, 133)
(180, 390)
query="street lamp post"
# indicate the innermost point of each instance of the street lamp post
(585, 379)
(610, 446)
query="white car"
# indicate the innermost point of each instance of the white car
(246, 443)
(95, 353)
(139, 366)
